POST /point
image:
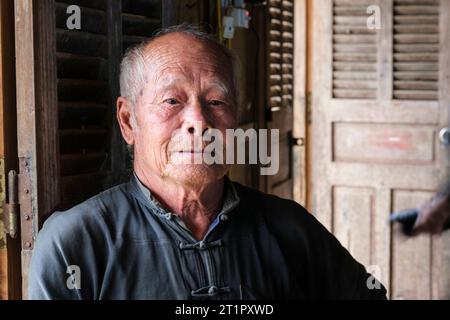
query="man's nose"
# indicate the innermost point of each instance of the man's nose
(196, 120)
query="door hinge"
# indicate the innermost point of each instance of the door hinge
(17, 213)
(25, 197)
(11, 206)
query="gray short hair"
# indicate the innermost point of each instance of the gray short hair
(133, 66)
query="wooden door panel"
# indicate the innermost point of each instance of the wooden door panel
(440, 264)
(353, 214)
(411, 267)
(383, 143)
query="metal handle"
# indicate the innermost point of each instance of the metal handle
(444, 136)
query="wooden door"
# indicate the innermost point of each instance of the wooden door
(380, 97)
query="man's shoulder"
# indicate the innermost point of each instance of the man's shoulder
(274, 208)
(85, 216)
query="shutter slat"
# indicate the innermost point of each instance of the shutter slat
(148, 8)
(81, 89)
(431, 29)
(416, 38)
(355, 66)
(414, 66)
(350, 21)
(416, 9)
(91, 4)
(355, 48)
(411, 75)
(274, 68)
(360, 39)
(83, 43)
(357, 57)
(350, 10)
(79, 66)
(416, 85)
(419, 57)
(349, 29)
(275, 90)
(356, 84)
(354, 75)
(344, 3)
(415, 20)
(274, 57)
(415, 95)
(137, 25)
(416, 48)
(417, 2)
(354, 93)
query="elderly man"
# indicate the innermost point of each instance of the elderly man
(183, 230)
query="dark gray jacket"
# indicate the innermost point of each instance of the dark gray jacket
(124, 245)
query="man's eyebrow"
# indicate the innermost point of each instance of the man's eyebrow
(219, 84)
(167, 83)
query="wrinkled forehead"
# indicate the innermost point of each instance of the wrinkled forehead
(182, 56)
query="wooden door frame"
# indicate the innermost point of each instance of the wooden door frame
(37, 120)
(300, 102)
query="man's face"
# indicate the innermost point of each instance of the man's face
(188, 84)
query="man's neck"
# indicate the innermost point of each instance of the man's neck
(195, 206)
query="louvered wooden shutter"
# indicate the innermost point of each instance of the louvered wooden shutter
(140, 19)
(416, 49)
(280, 53)
(354, 51)
(280, 90)
(83, 100)
(87, 67)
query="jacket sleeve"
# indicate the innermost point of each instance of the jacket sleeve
(64, 264)
(327, 269)
(339, 275)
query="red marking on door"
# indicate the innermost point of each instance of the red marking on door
(394, 140)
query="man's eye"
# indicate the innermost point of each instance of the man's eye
(216, 103)
(172, 101)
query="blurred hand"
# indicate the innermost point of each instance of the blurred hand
(433, 215)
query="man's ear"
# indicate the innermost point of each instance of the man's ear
(124, 116)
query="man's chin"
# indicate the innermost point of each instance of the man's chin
(196, 174)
